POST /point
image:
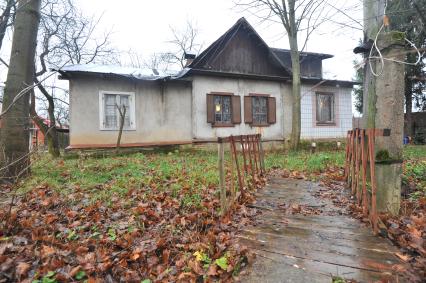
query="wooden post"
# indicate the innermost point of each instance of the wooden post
(262, 155)
(222, 186)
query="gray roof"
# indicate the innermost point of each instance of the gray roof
(127, 72)
(286, 52)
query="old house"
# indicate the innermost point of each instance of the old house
(238, 85)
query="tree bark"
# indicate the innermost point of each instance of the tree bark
(15, 135)
(120, 131)
(50, 132)
(295, 66)
(296, 111)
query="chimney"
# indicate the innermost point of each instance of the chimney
(189, 57)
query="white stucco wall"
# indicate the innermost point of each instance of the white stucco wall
(179, 113)
(343, 112)
(202, 85)
(159, 117)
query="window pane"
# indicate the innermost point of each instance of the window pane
(110, 111)
(325, 108)
(223, 110)
(260, 110)
(125, 101)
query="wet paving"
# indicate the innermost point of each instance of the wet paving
(301, 238)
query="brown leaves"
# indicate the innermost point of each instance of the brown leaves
(46, 251)
(146, 233)
(22, 269)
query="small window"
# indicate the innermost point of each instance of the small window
(110, 113)
(260, 110)
(325, 108)
(222, 109)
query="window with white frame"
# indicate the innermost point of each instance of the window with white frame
(110, 105)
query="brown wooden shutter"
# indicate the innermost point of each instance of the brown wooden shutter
(248, 114)
(272, 112)
(236, 109)
(210, 108)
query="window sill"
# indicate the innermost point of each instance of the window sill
(223, 125)
(333, 124)
(117, 130)
(259, 125)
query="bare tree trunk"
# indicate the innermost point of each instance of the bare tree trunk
(49, 132)
(295, 66)
(296, 111)
(15, 135)
(120, 131)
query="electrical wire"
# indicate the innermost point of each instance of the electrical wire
(382, 59)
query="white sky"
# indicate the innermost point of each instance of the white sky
(144, 27)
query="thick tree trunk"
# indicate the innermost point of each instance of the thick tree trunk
(15, 135)
(296, 112)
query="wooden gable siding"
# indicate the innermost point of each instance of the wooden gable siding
(310, 66)
(245, 54)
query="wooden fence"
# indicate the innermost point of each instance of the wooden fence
(360, 170)
(244, 166)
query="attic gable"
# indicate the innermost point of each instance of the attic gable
(241, 51)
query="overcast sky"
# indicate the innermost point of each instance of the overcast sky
(144, 27)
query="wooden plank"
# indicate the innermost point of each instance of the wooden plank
(322, 268)
(364, 249)
(312, 253)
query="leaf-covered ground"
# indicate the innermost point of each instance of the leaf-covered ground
(132, 218)
(147, 216)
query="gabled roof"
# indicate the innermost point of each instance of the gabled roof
(214, 50)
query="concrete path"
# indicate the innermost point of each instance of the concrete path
(293, 247)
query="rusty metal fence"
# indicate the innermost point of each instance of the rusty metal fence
(240, 168)
(360, 170)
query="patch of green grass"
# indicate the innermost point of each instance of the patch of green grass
(415, 152)
(304, 160)
(102, 179)
(186, 171)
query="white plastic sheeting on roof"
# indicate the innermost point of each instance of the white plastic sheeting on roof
(136, 73)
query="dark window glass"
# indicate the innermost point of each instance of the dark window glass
(260, 110)
(325, 108)
(222, 109)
